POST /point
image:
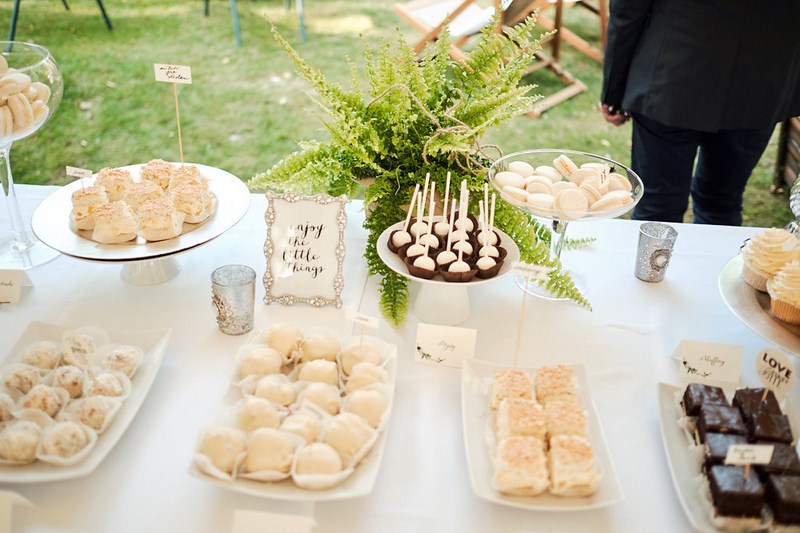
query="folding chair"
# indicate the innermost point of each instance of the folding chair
(600, 9)
(15, 15)
(466, 19)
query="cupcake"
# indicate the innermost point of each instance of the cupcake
(784, 293)
(765, 254)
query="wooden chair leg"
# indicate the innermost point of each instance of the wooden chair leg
(12, 30)
(206, 8)
(103, 11)
(302, 19)
(237, 31)
(66, 5)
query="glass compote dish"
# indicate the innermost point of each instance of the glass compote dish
(30, 91)
(537, 181)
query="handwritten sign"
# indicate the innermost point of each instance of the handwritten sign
(444, 345)
(775, 370)
(304, 249)
(173, 73)
(710, 362)
(11, 285)
(749, 454)
(77, 172)
(360, 319)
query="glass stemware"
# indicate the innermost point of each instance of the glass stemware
(541, 162)
(31, 87)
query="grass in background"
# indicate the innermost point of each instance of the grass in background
(247, 109)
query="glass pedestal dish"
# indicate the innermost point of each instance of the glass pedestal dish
(610, 190)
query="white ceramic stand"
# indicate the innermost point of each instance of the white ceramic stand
(442, 303)
(150, 271)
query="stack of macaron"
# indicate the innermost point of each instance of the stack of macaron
(564, 190)
(23, 102)
(771, 263)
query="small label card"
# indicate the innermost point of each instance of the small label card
(247, 521)
(710, 362)
(528, 271)
(304, 249)
(749, 454)
(775, 370)
(11, 285)
(77, 172)
(362, 320)
(173, 73)
(444, 345)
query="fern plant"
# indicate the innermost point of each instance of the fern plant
(422, 114)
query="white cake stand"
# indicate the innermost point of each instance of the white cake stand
(439, 301)
(144, 263)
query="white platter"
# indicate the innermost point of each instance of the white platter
(752, 308)
(152, 342)
(394, 262)
(51, 221)
(684, 465)
(359, 484)
(476, 377)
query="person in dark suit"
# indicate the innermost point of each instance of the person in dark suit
(705, 82)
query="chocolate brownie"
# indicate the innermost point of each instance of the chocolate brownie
(748, 401)
(697, 394)
(719, 419)
(734, 495)
(783, 497)
(769, 427)
(785, 461)
(716, 448)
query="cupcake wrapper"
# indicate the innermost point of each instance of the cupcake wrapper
(754, 278)
(785, 311)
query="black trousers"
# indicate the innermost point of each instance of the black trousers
(664, 157)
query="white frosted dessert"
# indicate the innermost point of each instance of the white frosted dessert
(554, 382)
(572, 466)
(64, 439)
(159, 172)
(115, 223)
(70, 378)
(223, 447)
(43, 354)
(317, 458)
(139, 193)
(276, 388)
(284, 337)
(359, 353)
(269, 449)
(254, 413)
(45, 398)
(348, 434)
(365, 374)
(187, 174)
(115, 181)
(84, 202)
(260, 361)
(21, 378)
(318, 346)
(194, 200)
(159, 220)
(19, 440)
(509, 384)
(520, 466)
(320, 370)
(520, 417)
(369, 404)
(324, 395)
(124, 359)
(566, 416)
(78, 348)
(304, 425)
(93, 411)
(6, 407)
(104, 384)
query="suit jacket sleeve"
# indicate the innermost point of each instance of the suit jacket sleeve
(627, 19)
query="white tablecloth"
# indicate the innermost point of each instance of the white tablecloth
(625, 343)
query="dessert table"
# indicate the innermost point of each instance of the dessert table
(625, 343)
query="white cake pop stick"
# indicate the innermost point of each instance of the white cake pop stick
(446, 256)
(420, 225)
(442, 228)
(403, 237)
(430, 239)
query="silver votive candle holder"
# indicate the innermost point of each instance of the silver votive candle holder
(233, 298)
(656, 241)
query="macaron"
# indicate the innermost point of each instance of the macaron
(522, 168)
(539, 187)
(612, 200)
(507, 178)
(618, 182)
(581, 174)
(541, 203)
(564, 165)
(562, 186)
(571, 204)
(548, 172)
(516, 194)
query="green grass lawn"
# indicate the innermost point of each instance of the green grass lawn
(246, 108)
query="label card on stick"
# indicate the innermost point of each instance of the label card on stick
(749, 454)
(173, 73)
(362, 320)
(528, 271)
(775, 370)
(710, 362)
(11, 285)
(77, 172)
(444, 345)
(305, 249)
